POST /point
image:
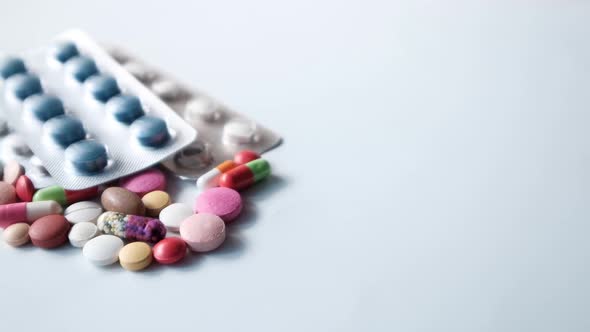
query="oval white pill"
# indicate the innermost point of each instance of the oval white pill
(103, 249)
(81, 233)
(85, 211)
(174, 214)
(201, 109)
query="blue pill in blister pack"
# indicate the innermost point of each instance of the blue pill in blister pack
(125, 108)
(87, 156)
(64, 51)
(24, 85)
(81, 68)
(150, 131)
(44, 107)
(10, 66)
(65, 130)
(102, 87)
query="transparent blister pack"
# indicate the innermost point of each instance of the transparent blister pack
(14, 147)
(221, 131)
(84, 116)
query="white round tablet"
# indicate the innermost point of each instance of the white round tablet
(239, 132)
(81, 233)
(85, 211)
(172, 215)
(103, 249)
(201, 109)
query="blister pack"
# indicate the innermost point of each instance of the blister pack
(221, 131)
(86, 118)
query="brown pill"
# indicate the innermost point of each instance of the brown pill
(7, 193)
(121, 200)
(50, 231)
(12, 170)
(17, 234)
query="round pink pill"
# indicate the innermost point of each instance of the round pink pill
(223, 202)
(203, 232)
(144, 182)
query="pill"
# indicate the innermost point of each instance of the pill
(81, 68)
(11, 66)
(245, 175)
(81, 233)
(166, 90)
(172, 215)
(17, 234)
(102, 87)
(12, 171)
(154, 202)
(24, 188)
(125, 108)
(64, 130)
(85, 211)
(7, 193)
(144, 182)
(121, 200)
(130, 227)
(169, 250)
(135, 256)
(211, 178)
(103, 249)
(24, 85)
(239, 132)
(150, 131)
(64, 196)
(87, 156)
(17, 145)
(201, 109)
(64, 51)
(223, 202)
(49, 231)
(140, 72)
(20, 212)
(245, 156)
(203, 232)
(43, 107)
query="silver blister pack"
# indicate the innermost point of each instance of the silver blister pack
(221, 131)
(127, 150)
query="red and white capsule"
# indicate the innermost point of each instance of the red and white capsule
(211, 178)
(27, 212)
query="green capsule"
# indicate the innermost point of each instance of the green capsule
(260, 168)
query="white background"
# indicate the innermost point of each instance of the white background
(435, 173)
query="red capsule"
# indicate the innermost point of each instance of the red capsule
(245, 156)
(169, 250)
(238, 178)
(81, 195)
(24, 188)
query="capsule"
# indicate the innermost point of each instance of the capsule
(130, 227)
(245, 156)
(245, 175)
(64, 196)
(211, 178)
(27, 212)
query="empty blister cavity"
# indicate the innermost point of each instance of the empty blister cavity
(11, 66)
(64, 130)
(102, 87)
(87, 156)
(43, 107)
(140, 72)
(64, 51)
(81, 68)
(166, 90)
(24, 85)
(17, 145)
(150, 131)
(125, 108)
(196, 156)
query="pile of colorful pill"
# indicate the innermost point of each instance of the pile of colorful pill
(138, 211)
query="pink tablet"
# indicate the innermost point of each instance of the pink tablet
(144, 182)
(223, 202)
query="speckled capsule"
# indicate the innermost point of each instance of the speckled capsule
(130, 227)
